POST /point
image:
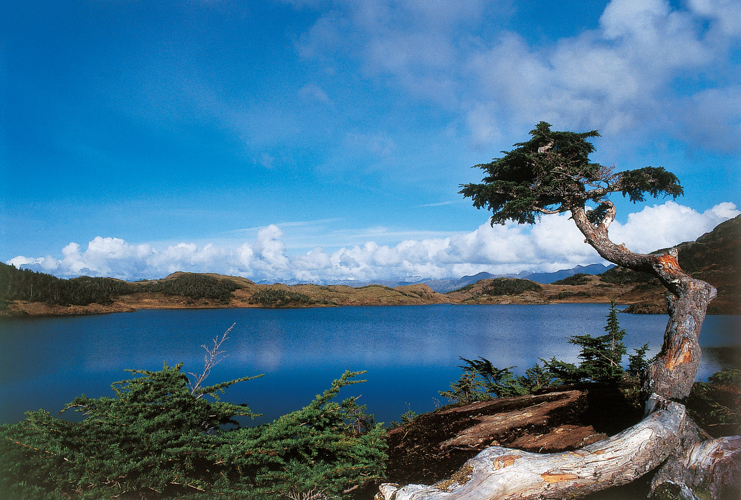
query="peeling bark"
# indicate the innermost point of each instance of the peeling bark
(504, 473)
(691, 461)
(712, 466)
(674, 371)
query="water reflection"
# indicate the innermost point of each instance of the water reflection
(410, 352)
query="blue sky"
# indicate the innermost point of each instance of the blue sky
(313, 140)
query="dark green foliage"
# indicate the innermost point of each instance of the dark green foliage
(537, 377)
(652, 180)
(31, 286)
(194, 286)
(622, 276)
(501, 383)
(467, 389)
(481, 380)
(510, 286)
(637, 363)
(576, 279)
(601, 357)
(275, 297)
(155, 435)
(551, 173)
(314, 449)
(157, 439)
(563, 372)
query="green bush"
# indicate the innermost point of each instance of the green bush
(510, 286)
(601, 361)
(622, 276)
(481, 381)
(194, 286)
(32, 286)
(574, 280)
(275, 297)
(601, 357)
(159, 439)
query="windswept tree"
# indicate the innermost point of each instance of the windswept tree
(552, 174)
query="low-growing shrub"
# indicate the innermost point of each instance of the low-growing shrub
(163, 436)
(510, 286)
(275, 297)
(576, 279)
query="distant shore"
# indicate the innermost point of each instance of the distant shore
(639, 298)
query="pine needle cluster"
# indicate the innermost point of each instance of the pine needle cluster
(601, 361)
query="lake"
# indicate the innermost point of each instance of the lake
(410, 352)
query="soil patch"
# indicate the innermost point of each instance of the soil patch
(434, 446)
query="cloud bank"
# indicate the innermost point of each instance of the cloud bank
(552, 244)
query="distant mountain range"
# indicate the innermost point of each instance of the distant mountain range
(448, 285)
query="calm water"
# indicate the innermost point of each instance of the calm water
(409, 352)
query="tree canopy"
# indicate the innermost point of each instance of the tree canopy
(551, 173)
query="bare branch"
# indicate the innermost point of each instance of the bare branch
(213, 357)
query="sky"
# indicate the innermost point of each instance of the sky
(326, 140)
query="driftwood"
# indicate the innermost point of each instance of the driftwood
(666, 435)
(688, 461)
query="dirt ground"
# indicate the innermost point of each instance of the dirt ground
(434, 446)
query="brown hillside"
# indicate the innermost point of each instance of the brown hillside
(715, 257)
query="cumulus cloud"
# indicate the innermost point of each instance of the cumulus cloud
(553, 243)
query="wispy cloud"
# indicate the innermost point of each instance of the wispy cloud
(619, 76)
(442, 203)
(554, 243)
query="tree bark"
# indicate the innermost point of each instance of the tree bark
(674, 371)
(691, 461)
(504, 473)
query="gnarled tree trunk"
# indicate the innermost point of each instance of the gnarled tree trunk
(674, 371)
(690, 461)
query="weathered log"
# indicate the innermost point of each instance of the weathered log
(505, 473)
(711, 466)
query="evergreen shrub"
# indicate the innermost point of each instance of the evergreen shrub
(510, 286)
(158, 438)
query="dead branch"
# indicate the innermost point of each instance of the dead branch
(213, 357)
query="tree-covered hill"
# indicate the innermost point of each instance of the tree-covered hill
(32, 286)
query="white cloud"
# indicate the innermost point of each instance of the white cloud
(662, 226)
(628, 72)
(553, 243)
